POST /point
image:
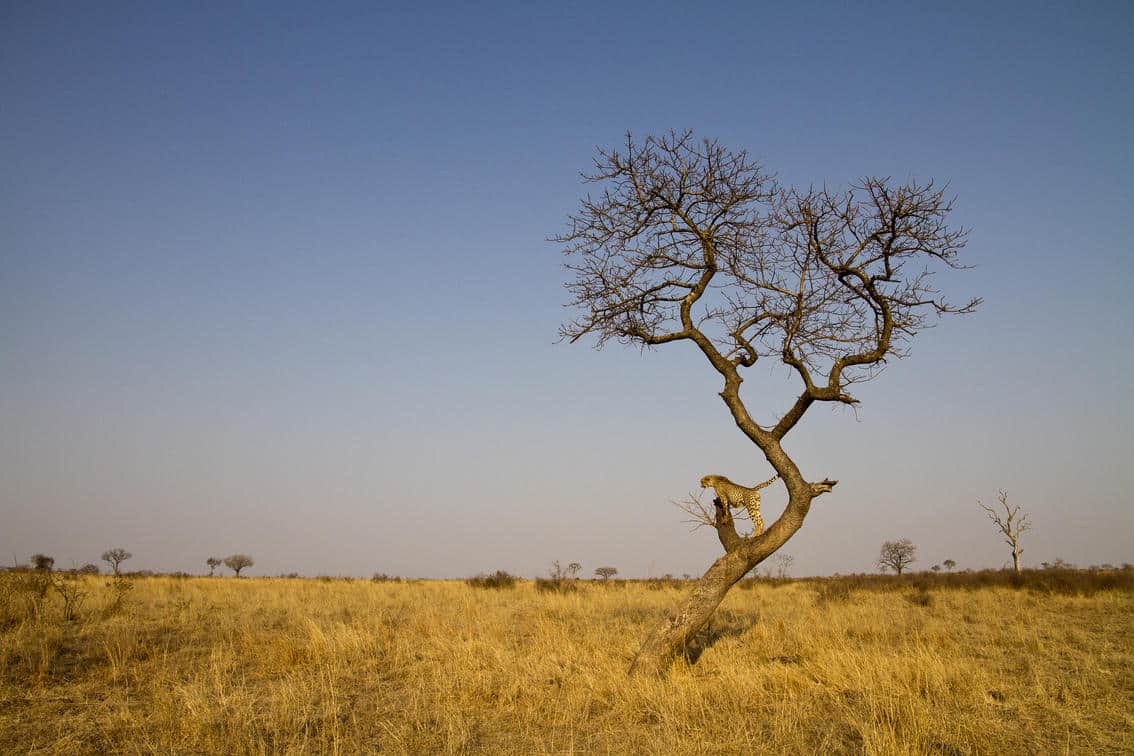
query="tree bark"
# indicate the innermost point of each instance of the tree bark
(673, 634)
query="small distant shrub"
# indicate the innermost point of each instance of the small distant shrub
(382, 577)
(556, 585)
(23, 595)
(42, 562)
(833, 591)
(89, 569)
(495, 581)
(120, 587)
(71, 591)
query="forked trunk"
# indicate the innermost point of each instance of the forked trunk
(674, 634)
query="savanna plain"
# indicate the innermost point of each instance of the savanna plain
(845, 665)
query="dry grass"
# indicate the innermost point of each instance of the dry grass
(292, 666)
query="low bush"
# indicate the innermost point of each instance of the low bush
(495, 581)
(556, 585)
(832, 591)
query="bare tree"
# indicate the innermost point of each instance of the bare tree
(213, 563)
(238, 562)
(783, 564)
(573, 569)
(897, 555)
(688, 241)
(115, 557)
(606, 573)
(1011, 522)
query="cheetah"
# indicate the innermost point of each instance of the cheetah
(733, 496)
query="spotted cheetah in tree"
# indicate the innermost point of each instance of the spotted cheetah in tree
(733, 496)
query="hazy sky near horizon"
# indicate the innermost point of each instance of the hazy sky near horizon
(274, 279)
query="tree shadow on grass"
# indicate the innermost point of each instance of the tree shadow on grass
(722, 625)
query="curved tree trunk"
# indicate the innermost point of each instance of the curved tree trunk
(673, 634)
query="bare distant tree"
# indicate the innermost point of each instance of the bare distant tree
(238, 562)
(115, 557)
(687, 241)
(949, 564)
(213, 563)
(897, 555)
(42, 562)
(606, 573)
(1011, 522)
(783, 564)
(573, 569)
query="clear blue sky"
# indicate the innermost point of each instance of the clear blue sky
(274, 279)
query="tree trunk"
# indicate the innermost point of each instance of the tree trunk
(741, 554)
(674, 634)
(1016, 558)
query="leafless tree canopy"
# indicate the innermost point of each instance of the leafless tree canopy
(606, 572)
(690, 241)
(686, 240)
(115, 557)
(238, 562)
(897, 555)
(1011, 523)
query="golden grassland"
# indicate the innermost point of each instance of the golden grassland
(245, 665)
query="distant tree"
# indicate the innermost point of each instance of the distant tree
(685, 240)
(213, 563)
(936, 568)
(115, 557)
(949, 564)
(89, 569)
(783, 564)
(238, 562)
(573, 569)
(897, 555)
(42, 562)
(606, 573)
(1011, 523)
